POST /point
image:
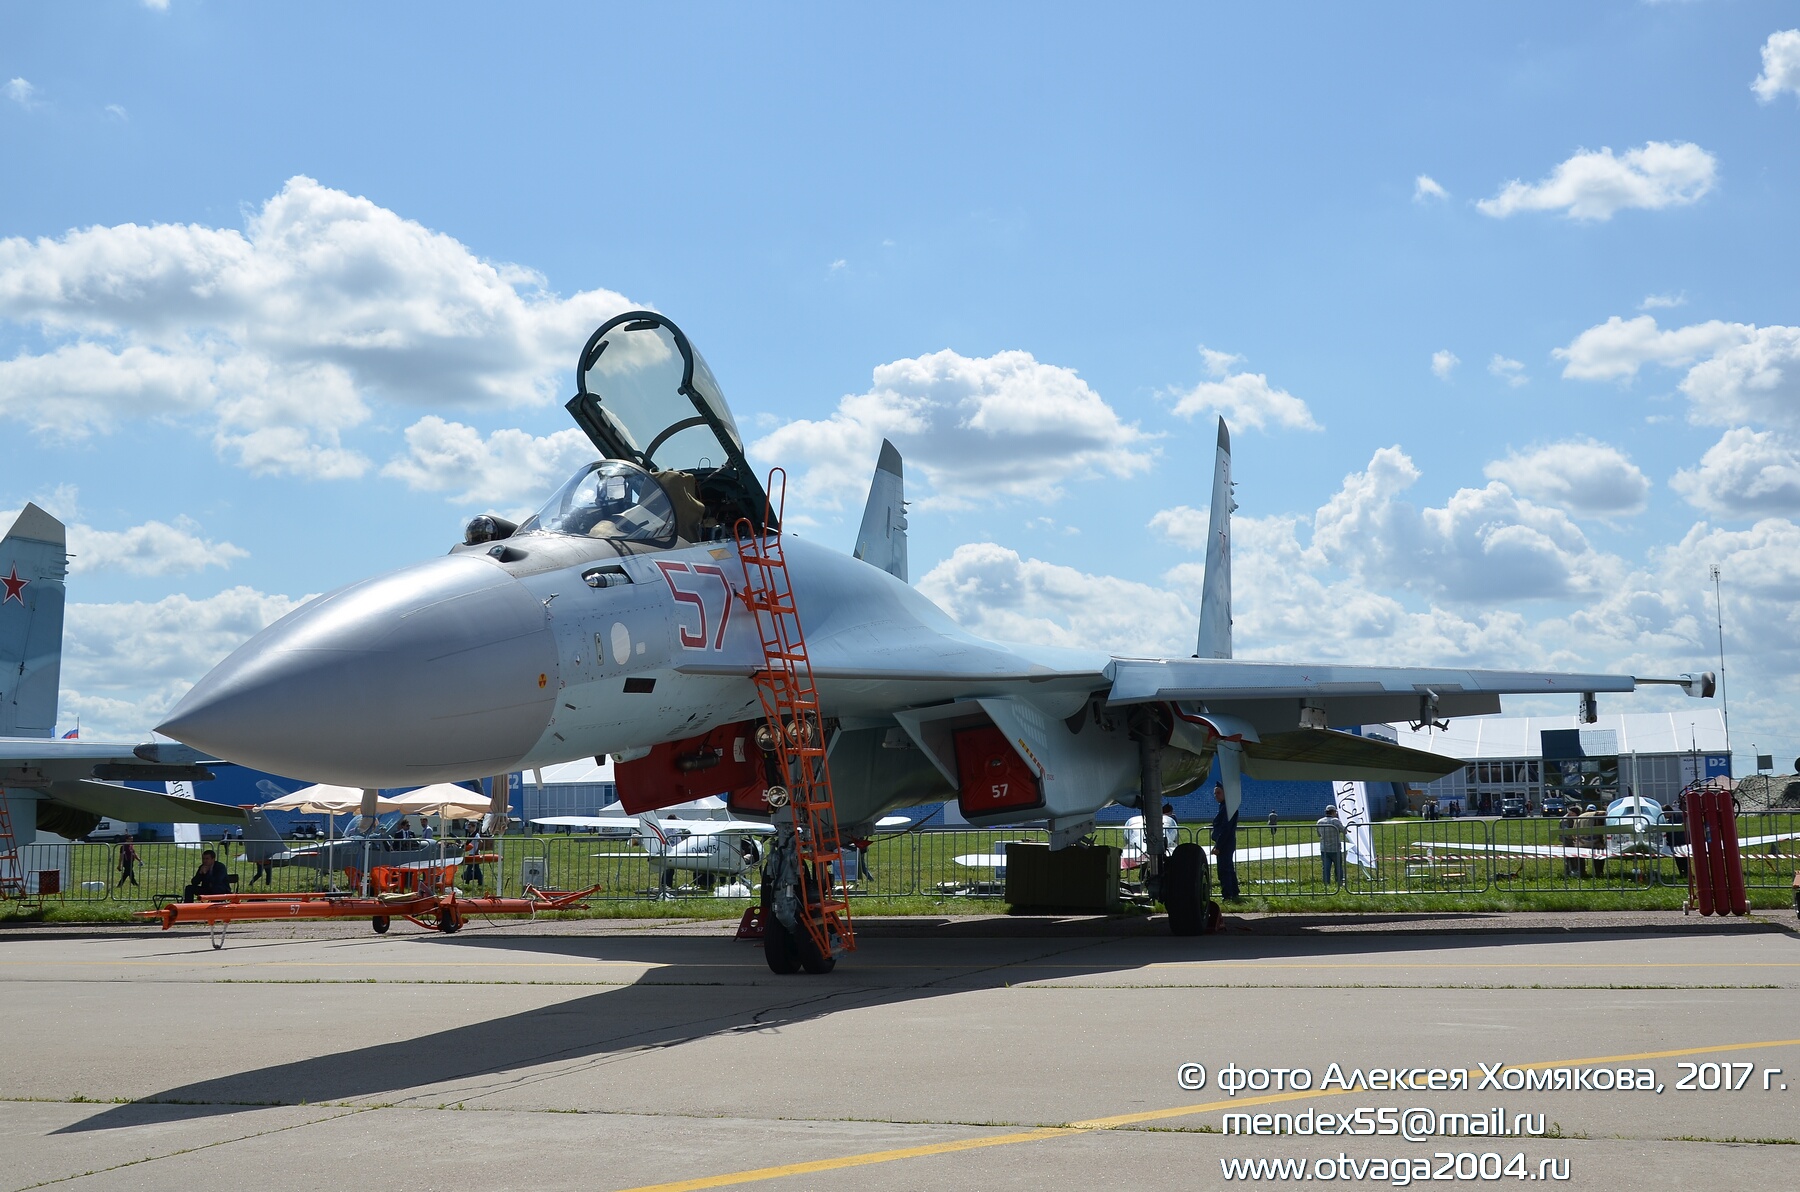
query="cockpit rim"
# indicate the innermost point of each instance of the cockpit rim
(754, 504)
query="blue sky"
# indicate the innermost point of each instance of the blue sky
(287, 292)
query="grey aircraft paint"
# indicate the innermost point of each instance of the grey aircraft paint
(612, 622)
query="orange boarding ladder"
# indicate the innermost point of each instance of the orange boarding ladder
(12, 873)
(790, 704)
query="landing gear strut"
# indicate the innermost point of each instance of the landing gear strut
(787, 945)
(1181, 881)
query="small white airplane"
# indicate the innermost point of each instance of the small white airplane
(1635, 826)
(711, 849)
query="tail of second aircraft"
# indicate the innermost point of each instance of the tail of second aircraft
(881, 542)
(34, 559)
(1215, 590)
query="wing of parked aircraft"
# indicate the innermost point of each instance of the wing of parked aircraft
(72, 783)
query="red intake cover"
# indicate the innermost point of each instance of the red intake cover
(991, 776)
(724, 762)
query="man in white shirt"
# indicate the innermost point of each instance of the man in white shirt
(1331, 845)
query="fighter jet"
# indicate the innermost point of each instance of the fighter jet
(359, 851)
(62, 785)
(614, 621)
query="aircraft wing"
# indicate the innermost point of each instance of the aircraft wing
(717, 827)
(65, 773)
(130, 804)
(1275, 852)
(1547, 851)
(589, 821)
(1744, 842)
(1349, 694)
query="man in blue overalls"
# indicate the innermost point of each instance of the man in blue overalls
(1224, 833)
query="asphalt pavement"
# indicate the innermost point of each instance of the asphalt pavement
(970, 1053)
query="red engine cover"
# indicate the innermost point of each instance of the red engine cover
(991, 776)
(678, 772)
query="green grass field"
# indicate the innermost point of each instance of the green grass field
(1440, 865)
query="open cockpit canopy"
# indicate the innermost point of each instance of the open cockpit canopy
(644, 395)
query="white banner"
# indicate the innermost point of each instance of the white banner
(1353, 812)
(185, 834)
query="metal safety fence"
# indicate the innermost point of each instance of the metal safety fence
(1445, 857)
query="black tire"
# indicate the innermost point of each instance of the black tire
(811, 959)
(380, 924)
(778, 946)
(1187, 889)
(449, 923)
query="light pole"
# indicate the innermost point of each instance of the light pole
(1724, 703)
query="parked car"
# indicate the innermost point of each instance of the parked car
(306, 830)
(1512, 807)
(1553, 807)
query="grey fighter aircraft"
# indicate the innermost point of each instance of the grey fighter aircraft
(62, 785)
(613, 622)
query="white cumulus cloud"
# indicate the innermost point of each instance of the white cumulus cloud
(993, 591)
(1736, 372)
(1426, 189)
(1581, 475)
(1747, 473)
(1617, 348)
(975, 428)
(1781, 66)
(20, 91)
(1443, 363)
(125, 665)
(1595, 185)
(1510, 371)
(152, 548)
(1245, 399)
(1662, 301)
(284, 336)
(1483, 544)
(506, 467)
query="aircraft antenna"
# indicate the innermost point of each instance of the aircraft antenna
(1719, 611)
(790, 704)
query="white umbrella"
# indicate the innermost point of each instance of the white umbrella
(326, 800)
(443, 799)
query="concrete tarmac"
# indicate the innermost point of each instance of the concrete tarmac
(980, 1054)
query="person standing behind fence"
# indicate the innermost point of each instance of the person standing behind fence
(128, 859)
(1331, 844)
(1595, 816)
(1224, 834)
(1573, 865)
(1274, 824)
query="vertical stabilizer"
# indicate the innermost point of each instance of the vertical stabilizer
(1215, 592)
(882, 540)
(34, 559)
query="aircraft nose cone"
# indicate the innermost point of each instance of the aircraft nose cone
(445, 670)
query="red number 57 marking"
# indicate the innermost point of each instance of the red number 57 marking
(699, 585)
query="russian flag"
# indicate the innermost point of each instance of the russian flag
(72, 734)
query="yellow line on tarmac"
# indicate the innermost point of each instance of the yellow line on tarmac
(1456, 964)
(758, 1174)
(189, 963)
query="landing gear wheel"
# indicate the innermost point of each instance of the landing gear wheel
(1187, 890)
(778, 946)
(380, 924)
(789, 952)
(810, 958)
(449, 922)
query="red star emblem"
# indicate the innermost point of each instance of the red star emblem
(15, 587)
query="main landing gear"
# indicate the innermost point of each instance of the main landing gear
(1181, 880)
